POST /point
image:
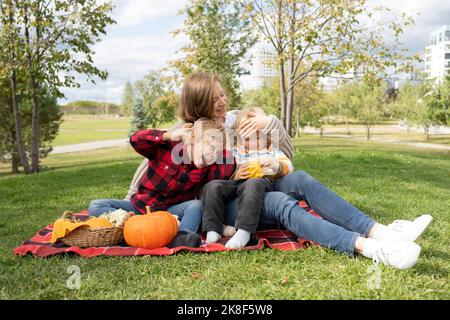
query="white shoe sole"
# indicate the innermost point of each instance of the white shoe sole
(425, 221)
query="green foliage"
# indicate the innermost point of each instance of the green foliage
(319, 38)
(425, 104)
(309, 110)
(50, 120)
(158, 100)
(44, 44)
(220, 35)
(139, 116)
(267, 98)
(439, 103)
(163, 109)
(127, 99)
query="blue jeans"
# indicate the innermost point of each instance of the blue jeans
(189, 212)
(341, 225)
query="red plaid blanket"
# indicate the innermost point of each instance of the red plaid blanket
(40, 245)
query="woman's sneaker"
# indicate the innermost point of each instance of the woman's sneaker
(403, 230)
(401, 255)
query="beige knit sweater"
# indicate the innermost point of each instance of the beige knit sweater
(285, 145)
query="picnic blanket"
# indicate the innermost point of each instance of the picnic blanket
(40, 245)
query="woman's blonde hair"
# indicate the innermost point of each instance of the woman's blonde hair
(197, 97)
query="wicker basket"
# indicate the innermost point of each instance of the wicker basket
(85, 237)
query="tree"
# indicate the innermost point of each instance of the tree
(307, 95)
(323, 37)
(12, 45)
(441, 103)
(425, 104)
(158, 98)
(367, 99)
(220, 36)
(127, 99)
(139, 115)
(407, 104)
(266, 98)
(315, 115)
(163, 109)
(55, 36)
(50, 119)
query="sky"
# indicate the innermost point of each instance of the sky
(141, 40)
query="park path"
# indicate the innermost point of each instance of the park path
(88, 146)
(94, 145)
(383, 140)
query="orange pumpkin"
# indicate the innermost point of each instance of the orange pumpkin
(150, 231)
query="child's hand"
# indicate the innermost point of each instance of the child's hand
(180, 134)
(254, 123)
(243, 172)
(269, 166)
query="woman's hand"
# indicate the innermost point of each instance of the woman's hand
(179, 134)
(255, 122)
(242, 172)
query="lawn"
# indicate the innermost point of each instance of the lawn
(387, 182)
(78, 129)
(86, 128)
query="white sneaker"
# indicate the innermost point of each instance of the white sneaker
(404, 230)
(401, 255)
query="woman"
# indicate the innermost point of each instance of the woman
(343, 227)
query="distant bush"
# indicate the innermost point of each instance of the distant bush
(91, 107)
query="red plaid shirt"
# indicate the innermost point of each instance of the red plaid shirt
(166, 183)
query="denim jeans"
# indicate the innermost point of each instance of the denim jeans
(341, 225)
(189, 212)
(100, 206)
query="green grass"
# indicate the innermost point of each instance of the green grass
(79, 129)
(86, 128)
(386, 182)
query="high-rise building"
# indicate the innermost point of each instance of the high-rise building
(261, 70)
(437, 54)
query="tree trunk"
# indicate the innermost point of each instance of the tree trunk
(290, 97)
(283, 94)
(427, 132)
(289, 111)
(15, 106)
(291, 75)
(35, 125)
(15, 163)
(367, 131)
(346, 126)
(297, 120)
